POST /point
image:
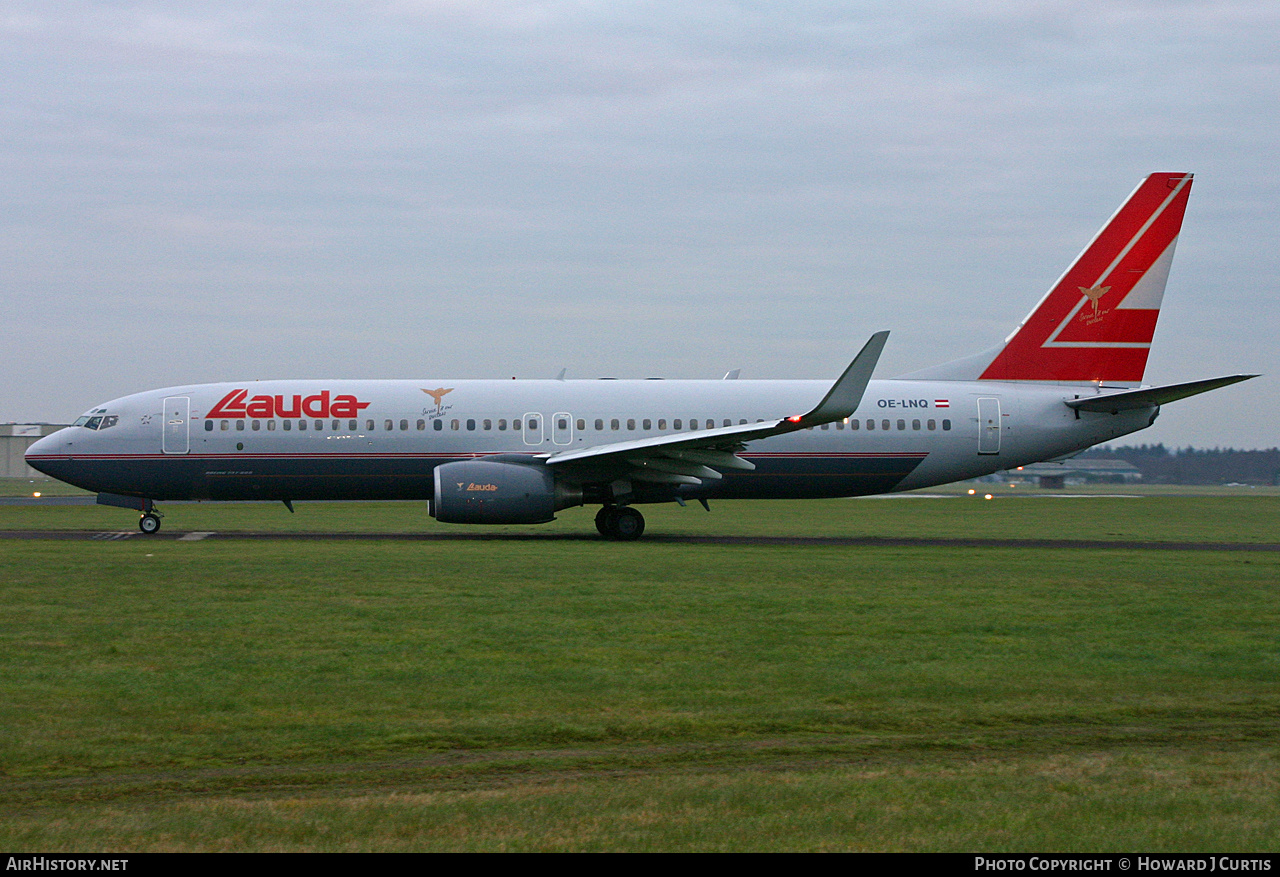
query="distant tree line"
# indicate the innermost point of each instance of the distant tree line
(1161, 465)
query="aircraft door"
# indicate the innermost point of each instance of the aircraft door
(562, 428)
(176, 438)
(988, 426)
(533, 429)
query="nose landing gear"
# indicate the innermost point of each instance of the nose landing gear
(149, 523)
(620, 523)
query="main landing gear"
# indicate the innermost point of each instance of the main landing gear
(620, 523)
(149, 523)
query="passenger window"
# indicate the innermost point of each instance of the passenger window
(533, 423)
(302, 425)
(239, 426)
(256, 425)
(853, 424)
(932, 424)
(404, 425)
(902, 424)
(488, 425)
(615, 424)
(727, 422)
(388, 425)
(871, 424)
(353, 425)
(646, 424)
(455, 425)
(662, 424)
(678, 424)
(946, 425)
(884, 424)
(337, 425)
(631, 424)
(368, 424)
(599, 425)
(437, 425)
(422, 424)
(839, 424)
(915, 424)
(711, 424)
(208, 426)
(224, 425)
(582, 424)
(287, 425)
(826, 426)
(471, 425)
(693, 424)
(515, 424)
(271, 426)
(502, 424)
(742, 422)
(562, 423)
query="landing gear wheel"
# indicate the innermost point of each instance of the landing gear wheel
(628, 524)
(149, 523)
(604, 519)
(619, 523)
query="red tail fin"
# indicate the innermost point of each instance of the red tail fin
(1097, 321)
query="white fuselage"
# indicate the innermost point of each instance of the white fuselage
(284, 440)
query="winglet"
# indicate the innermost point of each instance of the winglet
(846, 393)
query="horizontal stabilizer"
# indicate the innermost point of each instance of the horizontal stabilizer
(1149, 397)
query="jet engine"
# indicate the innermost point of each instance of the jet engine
(489, 492)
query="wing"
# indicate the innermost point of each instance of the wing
(691, 457)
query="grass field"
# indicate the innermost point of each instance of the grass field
(551, 691)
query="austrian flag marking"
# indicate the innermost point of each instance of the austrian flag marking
(941, 403)
(237, 404)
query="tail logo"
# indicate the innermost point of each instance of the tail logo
(1095, 295)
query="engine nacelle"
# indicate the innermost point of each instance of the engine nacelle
(485, 492)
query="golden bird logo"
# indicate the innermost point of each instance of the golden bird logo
(438, 394)
(1095, 294)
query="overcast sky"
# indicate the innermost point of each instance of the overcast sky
(237, 190)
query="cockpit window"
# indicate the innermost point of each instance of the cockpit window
(95, 420)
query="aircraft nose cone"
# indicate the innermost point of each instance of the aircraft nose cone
(49, 446)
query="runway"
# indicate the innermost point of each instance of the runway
(664, 539)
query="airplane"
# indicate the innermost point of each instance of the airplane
(516, 452)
